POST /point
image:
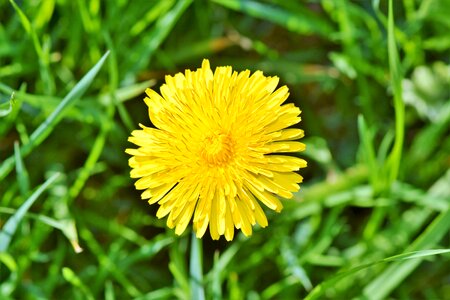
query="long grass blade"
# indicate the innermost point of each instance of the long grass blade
(44, 130)
(320, 290)
(22, 173)
(396, 273)
(49, 84)
(11, 225)
(399, 106)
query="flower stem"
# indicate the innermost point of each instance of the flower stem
(195, 268)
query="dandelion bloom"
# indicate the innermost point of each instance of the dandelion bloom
(213, 156)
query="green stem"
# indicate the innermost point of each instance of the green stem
(195, 269)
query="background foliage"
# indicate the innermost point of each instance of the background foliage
(374, 90)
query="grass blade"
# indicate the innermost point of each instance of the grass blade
(151, 15)
(105, 126)
(22, 173)
(41, 218)
(319, 290)
(7, 286)
(108, 265)
(64, 216)
(303, 23)
(216, 286)
(396, 273)
(45, 128)
(43, 131)
(11, 225)
(109, 291)
(159, 33)
(48, 82)
(366, 137)
(7, 111)
(162, 293)
(71, 277)
(399, 106)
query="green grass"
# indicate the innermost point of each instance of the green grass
(370, 222)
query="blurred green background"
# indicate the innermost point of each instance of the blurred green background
(374, 88)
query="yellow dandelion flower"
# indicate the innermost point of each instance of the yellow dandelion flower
(213, 156)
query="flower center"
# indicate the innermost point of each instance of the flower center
(217, 149)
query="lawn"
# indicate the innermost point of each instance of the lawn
(370, 221)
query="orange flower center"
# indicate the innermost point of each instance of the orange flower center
(217, 149)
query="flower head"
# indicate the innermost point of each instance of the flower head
(213, 154)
